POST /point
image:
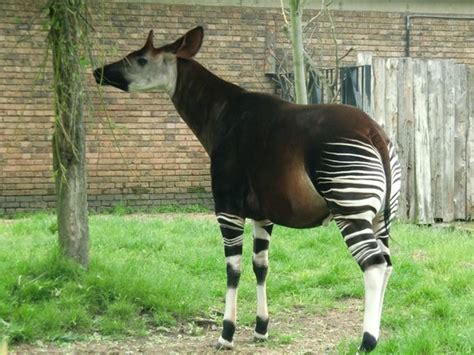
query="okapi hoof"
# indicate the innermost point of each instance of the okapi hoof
(259, 338)
(261, 332)
(223, 344)
(368, 343)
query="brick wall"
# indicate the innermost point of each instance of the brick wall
(139, 151)
(443, 38)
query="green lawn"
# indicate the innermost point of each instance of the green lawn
(154, 270)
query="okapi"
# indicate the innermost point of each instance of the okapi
(277, 162)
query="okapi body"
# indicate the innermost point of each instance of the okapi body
(277, 162)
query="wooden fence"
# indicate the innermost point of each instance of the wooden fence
(427, 108)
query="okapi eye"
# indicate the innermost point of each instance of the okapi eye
(142, 61)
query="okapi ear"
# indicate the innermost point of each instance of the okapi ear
(149, 40)
(188, 45)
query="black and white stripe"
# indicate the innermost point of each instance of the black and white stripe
(383, 220)
(262, 231)
(353, 181)
(232, 229)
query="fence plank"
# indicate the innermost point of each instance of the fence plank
(436, 122)
(379, 91)
(406, 140)
(470, 146)
(460, 142)
(391, 97)
(424, 211)
(365, 58)
(402, 144)
(448, 139)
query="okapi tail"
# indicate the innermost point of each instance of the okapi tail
(393, 180)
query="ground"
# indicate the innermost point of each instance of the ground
(293, 331)
(122, 305)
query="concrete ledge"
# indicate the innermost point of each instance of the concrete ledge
(464, 7)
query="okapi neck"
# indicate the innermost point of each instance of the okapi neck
(201, 98)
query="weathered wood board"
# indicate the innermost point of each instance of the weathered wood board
(426, 106)
(470, 147)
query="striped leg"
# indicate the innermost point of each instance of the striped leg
(365, 249)
(262, 231)
(353, 182)
(383, 220)
(232, 228)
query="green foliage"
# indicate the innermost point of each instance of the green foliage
(148, 271)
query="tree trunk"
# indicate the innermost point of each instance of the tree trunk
(296, 12)
(69, 133)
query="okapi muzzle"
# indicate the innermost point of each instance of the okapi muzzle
(112, 74)
(276, 162)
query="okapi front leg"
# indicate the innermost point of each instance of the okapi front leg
(232, 228)
(262, 231)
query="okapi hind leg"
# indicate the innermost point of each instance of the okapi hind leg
(359, 237)
(232, 229)
(262, 231)
(383, 220)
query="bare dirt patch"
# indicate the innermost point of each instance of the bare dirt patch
(295, 331)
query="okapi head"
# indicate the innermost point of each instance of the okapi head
(150, 68)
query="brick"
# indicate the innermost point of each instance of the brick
(152, 150)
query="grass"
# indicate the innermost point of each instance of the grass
(148, 271)
(121, 208)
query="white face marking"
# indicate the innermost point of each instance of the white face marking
(158, 74)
